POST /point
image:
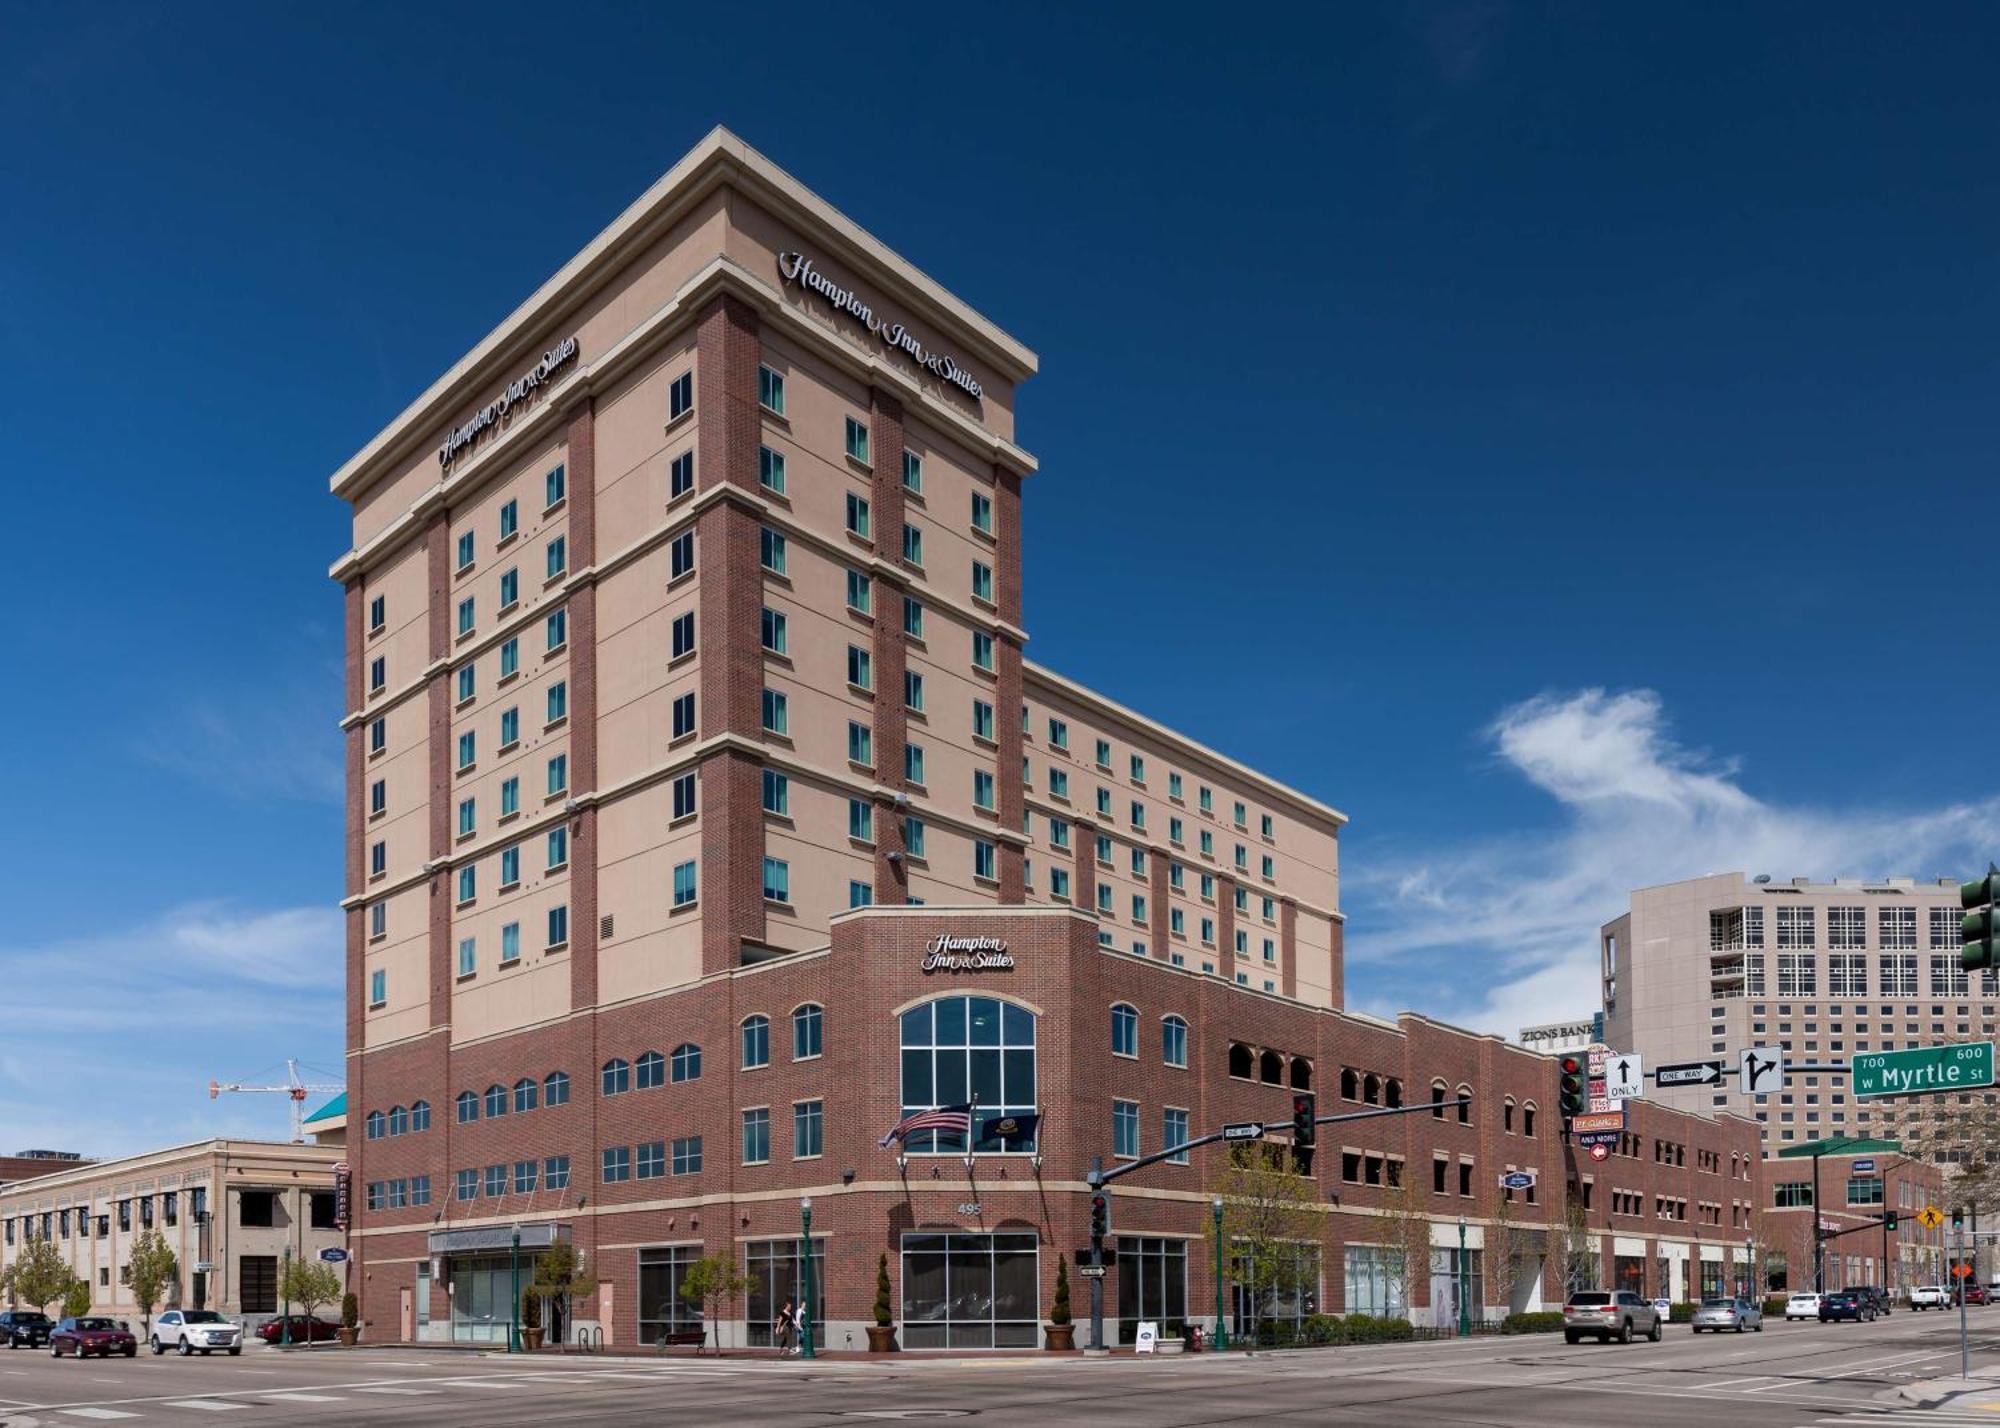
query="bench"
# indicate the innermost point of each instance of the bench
(682, 1339)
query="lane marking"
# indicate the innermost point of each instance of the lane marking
(403, 1392)
(95, 1413)
(206, 1405)
(303, 1398)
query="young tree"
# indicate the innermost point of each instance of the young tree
(714, 1282)
(1505, 1241)
(561, 1274)
(1407, 1230)
(40, 1275)
(1579, 1262)
(152, 1272)
(1273, 1226)
(309, 1284)
(76, 1298)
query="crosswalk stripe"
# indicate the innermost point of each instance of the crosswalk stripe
(206, 1405)
(302, 1398)
(407, 1392)
(95, 1413)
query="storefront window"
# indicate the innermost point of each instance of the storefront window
(1712, 1279)
(1374, 1280)
(960, 1049)
(773, 1265)
(1628, 1271)
(1457, 1279)
(661, 1309)
(481, 1298)
(970, 1291)
(1152, 1286)
(1273, 1297)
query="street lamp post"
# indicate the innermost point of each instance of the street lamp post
(806, 1272)
(1221, 1324)
(1750, 1275)
(284, 1283)
(1464, 1309)
(514, 1301)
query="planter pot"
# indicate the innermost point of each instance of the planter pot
(1170, 1346)
(532, 1338)
(349, 1338)
(882, 1339)
(1062, 1338)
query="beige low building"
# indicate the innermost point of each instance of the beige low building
(229, 1209)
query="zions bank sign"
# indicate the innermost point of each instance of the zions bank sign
(798, 269)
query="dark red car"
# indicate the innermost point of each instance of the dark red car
(1976, 1294)
(84, 1337)
(304, 1329)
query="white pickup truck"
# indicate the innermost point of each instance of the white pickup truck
(1929, 1296)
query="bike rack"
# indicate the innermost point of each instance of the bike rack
(589, 1339)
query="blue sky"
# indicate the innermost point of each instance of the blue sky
(1601, 396)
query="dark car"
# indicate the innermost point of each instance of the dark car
(304, 1329)
(1846, 1304)
(1876, 1296)
(1976, 1294)
(92, 1335)
(25, 1328)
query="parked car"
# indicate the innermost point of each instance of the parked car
(1976, 1294)
(305, 1329)
(1609, 1314)
(1801, 1304)
(1929, 1296)
(25, 1328)
(91, 1335)
(1733, 1314)
(1846, 1304)
(189, 1331)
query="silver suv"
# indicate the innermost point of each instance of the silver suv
(1609, 1314)
(192, 1331)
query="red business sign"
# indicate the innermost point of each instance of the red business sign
(1599, 1121)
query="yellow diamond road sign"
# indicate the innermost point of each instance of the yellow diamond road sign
(1930, 1217)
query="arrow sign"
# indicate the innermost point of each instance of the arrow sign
(1760, 1071)
(1091, 1271)
(1690, 1073)
(1624, 1077)
(1243, 1130)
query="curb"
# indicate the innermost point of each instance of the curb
(1933, 1392)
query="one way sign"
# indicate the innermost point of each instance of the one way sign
(1689, 1073)
(1760, 1071)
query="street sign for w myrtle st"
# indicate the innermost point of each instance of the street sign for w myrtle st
(1963, 1067)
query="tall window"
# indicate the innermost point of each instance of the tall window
(1173, 1041)
(662, 1309)
(1125, 1128)
(961, 1047)
(1152, 1283)
(756, 1042)
(808, 1029)
(1124, 1030)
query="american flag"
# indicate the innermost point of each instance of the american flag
(945, 1118)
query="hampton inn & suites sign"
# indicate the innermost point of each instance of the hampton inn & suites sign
(945, 953)
(798, 269)
(515, 392)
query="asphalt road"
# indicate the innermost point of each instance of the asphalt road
(1788, 1377)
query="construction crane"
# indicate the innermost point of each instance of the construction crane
(294, 1087)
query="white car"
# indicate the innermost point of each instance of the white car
(1929, 1296)
(189, 1331)
(1802, 1305)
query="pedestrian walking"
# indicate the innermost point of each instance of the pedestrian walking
(782, 1329)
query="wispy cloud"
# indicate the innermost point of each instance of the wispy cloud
(1638, 808)
(108, 1042)
(278, 740)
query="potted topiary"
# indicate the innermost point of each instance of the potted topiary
(531, 1320)
(1061, 1333)
(882, 1333)
(350, 1320)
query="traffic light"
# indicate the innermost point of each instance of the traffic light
(1574, 1092)
(1977, 930)
(1304, 1131)
(1957, 1218)
(1889, 1222)
(1100, 1215)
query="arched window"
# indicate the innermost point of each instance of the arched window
(1271, 1069)
(1173, 1041)
(808, 1024)
(1438, 1099)
(1371, 1089)
(652, 1069)
(687, 1062)
(1124, 1030)
(1528, 1118)
(617, 1076)
(1242, 1061)
(1302, 1074)
(756, 1042)
(420, 1116)
(399, 1121)
(468, 1107)
(527, 1094)
(1507, 1115)
(1465, 1105)
(1392, 1092)
(496, 1101)
(967, 1048)
(1350, 1084)
(555, 1088)
(375, 1123)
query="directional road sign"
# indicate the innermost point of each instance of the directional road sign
(1600, 1152)
(1243, 1130)
(1861, 1167)
(1625, 1076)
(333, 1254)
(1517, 1180)
(1930, 1217)
(1689, 1073)
(1598, 1137)
(1760, 1071)
(1091, 1271)
(1923, 1070)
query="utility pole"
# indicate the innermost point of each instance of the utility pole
(1100, 1216)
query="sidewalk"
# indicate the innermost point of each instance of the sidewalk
(1983, 1393)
